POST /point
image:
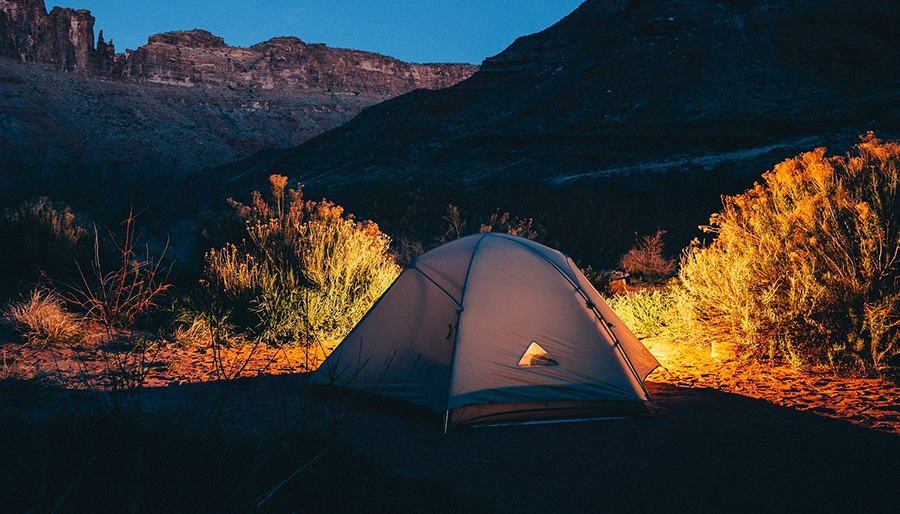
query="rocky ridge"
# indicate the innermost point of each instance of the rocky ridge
(185, 100)
(623, 85)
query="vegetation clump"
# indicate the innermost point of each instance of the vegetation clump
(304, 273)
(806, 264)
(646, 262)
(42, 320)
(41, 236)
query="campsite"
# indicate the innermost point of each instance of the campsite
(439, 256)
(730, 437)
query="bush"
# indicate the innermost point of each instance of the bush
(807, 264)
(41, 236)
(305, 273)
(645, 261)
(42, 320)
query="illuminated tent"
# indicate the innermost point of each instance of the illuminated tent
(494, 328)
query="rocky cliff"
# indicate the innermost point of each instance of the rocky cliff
(63, 37)
(184, 101)
(197, 57)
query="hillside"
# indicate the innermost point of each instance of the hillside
(623, 87)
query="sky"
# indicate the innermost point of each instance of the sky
(412, 30)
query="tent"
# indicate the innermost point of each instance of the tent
(494, 327)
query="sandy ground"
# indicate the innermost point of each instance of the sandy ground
(872, 403)
(729, 437)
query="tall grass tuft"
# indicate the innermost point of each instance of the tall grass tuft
(117, 295)
(304, 274)
(649, 313)
(42, 320)
(806, 265)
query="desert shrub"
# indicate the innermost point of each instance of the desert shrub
(805, 265)
(645, 261)
(42, 320)
(41, 236)
(495, 222)
(115, 296)
(305, 273)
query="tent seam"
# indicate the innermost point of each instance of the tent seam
(462, 298)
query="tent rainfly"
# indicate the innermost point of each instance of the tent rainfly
(490, 328)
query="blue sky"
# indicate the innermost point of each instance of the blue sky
(412, 30)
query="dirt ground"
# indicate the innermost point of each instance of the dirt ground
(729, 437)
(868, 402)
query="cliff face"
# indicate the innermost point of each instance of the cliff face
(186, 100)
(197, 57)
(63, 37)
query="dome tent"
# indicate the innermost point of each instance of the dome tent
(493, 327)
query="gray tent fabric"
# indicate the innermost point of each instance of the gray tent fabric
(452, 331)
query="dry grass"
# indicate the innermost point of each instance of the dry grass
(42, 320)
(115, 296)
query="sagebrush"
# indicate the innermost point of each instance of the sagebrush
(807, 263)
(304, 273)
(646, 262)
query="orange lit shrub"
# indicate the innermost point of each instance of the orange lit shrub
(806, 265)
(646, 262)
(304, 274)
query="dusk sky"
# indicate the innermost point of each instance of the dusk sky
(411, 30)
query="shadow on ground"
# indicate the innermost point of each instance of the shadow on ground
(708, 451)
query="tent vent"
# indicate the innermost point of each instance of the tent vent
(536, 356)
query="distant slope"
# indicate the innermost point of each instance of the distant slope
(619, 86)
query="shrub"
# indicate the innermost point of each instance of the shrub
(42, 320)
(41, 235)
(807, 264)
(305, 273)
(495, 222)
(646, 262)
(116, 296)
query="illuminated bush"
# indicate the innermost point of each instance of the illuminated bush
(806, 265)
(305, 272)
(646, 262)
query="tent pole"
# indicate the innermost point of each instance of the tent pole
(446, 420)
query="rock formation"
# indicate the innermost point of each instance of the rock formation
(63, 37)
(184, 101)
(196, 57)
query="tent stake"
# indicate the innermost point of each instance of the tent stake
(446, 419)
